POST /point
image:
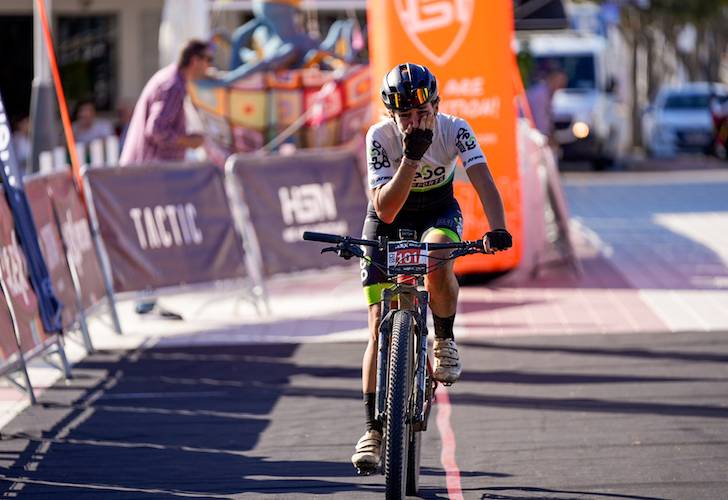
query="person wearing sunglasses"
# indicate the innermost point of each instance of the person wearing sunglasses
(411, 159)
(157, 132)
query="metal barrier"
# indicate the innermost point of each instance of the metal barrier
(22, 307)
(277, 198)
(162, 228)
(156, 229)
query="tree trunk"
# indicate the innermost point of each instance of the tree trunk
(631, 27)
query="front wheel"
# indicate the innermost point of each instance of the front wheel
(413, 463)
(397, 431)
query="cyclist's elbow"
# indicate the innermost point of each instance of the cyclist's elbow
(383, 206)
(384, 215)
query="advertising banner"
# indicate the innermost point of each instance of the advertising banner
(165, 225)
(467, 45)
(51, 247)
(312, 191)
(8, 344)
(17, 202)
(14, 272)
(76, 234)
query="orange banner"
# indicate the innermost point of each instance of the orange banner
(467, 45)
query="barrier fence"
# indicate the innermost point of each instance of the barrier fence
(78, 241)
(277, 200)
(51, 247)
(165, 226)
(27, 329)
(153, 229)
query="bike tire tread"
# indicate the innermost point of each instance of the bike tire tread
(397, 429)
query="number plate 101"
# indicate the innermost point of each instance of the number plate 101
(406, 257)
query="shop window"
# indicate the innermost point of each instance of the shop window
(87, 57)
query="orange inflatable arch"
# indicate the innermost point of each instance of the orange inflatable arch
(467, 44)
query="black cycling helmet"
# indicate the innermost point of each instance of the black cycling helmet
(408, 86)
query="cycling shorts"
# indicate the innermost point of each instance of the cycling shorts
(444, 216)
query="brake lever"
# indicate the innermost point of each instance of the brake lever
(459, 253)
(351, 251)
(345, 251)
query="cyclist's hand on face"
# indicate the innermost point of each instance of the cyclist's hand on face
(418, 136)
(498, 239)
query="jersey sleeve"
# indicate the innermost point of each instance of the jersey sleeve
(379, 169)
(466, 144)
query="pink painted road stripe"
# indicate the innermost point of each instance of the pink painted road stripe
(447, 436)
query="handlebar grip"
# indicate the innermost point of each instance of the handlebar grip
(323, 237)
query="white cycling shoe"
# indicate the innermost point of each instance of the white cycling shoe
(447, 361)
(368, 452)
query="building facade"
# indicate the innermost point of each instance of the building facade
(106, 49)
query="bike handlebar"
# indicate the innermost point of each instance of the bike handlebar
(336, 239)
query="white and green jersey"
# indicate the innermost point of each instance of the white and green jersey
(453, 137)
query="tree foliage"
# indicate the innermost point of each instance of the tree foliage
(688, 10)
(654, 28)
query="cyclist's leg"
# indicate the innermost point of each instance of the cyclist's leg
(369, 363)
(440, 282)
(443, 289)
(444, 226)
(368, 448)
(374, 281)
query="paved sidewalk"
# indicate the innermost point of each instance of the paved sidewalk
(667, 235)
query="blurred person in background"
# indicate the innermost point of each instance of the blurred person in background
(87, 126)
(719, 113)
(540, 96)
(21, 143)
(157, 132)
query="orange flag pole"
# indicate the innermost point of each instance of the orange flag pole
(62, 104)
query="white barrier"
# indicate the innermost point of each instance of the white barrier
(98, 153)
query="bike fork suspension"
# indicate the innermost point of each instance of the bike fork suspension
(385, 330)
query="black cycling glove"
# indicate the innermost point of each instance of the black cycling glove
(500, 239)
(416, 143)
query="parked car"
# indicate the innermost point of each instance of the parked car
(680, 119)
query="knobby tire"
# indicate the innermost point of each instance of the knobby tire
(397, 432)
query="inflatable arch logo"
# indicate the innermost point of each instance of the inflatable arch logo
(436, 27)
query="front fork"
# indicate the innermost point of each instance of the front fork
(424, 386)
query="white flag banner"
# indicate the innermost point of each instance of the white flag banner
(182, 20)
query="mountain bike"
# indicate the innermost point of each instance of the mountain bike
(405, 385)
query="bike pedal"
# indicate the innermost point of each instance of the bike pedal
(367, 471)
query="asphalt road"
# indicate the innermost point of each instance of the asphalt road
(552, 417)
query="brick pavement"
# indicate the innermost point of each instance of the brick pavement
(667, 234)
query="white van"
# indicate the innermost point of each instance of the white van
(590, 121)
